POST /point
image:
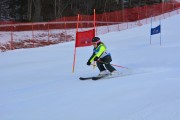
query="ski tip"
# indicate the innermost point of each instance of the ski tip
(81, 78)
(85, 78)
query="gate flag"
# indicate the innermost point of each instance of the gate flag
(156, 30)
(84, 38)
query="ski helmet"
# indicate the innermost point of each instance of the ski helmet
(96, 39)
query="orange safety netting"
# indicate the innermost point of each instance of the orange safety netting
(25, 35)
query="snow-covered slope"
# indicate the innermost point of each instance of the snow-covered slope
(38, 84)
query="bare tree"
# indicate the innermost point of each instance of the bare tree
(37, 12)
(59, 8)
(55, 4)
(117, 1)
(130, 3)
(29, 13)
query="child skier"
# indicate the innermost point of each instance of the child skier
(102, 58)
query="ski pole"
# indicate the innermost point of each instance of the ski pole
(119, 66)
(113, 64)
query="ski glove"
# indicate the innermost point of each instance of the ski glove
(88, 63)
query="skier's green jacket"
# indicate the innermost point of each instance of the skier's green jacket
(99, 52)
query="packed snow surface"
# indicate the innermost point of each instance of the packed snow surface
(38, 83)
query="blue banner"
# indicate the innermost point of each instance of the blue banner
(156, 30)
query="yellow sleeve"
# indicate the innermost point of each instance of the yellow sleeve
(101, 50)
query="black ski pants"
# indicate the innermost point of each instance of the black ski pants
(105, 61)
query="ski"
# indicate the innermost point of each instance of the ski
(108, 76)
(85, 78)
(97, 78)
(92, 78)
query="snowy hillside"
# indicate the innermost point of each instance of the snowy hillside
(38, 84)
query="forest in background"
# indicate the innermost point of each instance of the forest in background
(46, 10)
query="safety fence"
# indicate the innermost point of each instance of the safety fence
(27, 35)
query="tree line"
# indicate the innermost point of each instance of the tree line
(45, 10)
